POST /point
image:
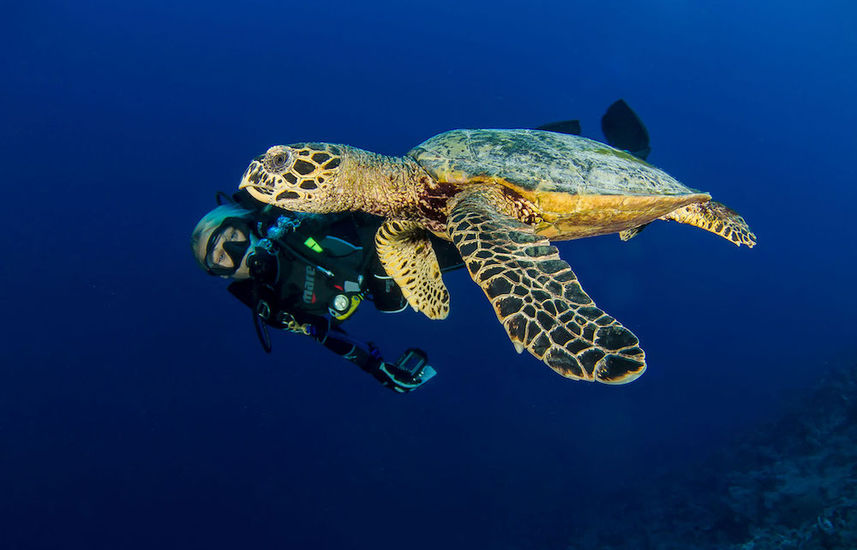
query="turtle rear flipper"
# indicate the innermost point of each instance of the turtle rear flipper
(624, 130)
(536, 295)
(571, 127)
(406, 253)
(629, 234)
(717, 218)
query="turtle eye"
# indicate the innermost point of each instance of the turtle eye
(277, 160)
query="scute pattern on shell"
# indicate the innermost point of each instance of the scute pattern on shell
(535, 160)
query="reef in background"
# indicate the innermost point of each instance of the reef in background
(791, 484)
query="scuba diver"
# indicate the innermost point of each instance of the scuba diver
(308, 273)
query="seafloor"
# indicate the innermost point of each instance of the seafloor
(791, 484)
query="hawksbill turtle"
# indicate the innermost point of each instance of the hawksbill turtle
(500, 196)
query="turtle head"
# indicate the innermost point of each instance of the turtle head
(300, 177)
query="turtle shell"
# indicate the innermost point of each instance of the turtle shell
(535, 161)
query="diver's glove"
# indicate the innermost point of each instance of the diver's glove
(409, 372)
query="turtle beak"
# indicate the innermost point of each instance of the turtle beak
(253, 182)
(251, 175)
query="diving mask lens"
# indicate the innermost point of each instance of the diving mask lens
(236, 250)
(233, 236)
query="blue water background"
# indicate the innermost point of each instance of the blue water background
(137, 409)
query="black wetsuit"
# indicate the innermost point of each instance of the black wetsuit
(314, 276)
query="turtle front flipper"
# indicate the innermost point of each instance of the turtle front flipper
(407, 255)
(536, 295)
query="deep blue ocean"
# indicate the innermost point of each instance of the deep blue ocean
(137, 409)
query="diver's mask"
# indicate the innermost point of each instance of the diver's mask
(234, 249)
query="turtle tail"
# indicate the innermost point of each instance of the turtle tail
(717, 218)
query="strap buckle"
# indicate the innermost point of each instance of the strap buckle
(263, 310)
